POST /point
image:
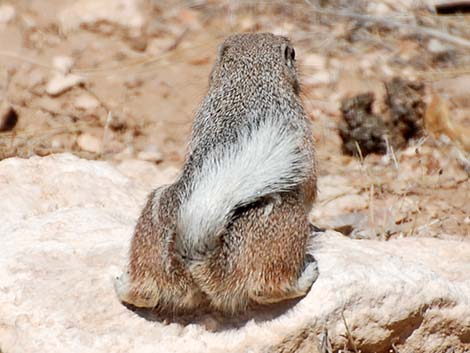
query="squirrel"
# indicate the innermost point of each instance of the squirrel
(233, 229)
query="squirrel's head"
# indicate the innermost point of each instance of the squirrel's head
(256, 58)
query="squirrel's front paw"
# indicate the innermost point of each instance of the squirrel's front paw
(121, 286)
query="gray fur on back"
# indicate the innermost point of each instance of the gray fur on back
(246, 141)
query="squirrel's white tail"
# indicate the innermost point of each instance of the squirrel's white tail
(265, 160)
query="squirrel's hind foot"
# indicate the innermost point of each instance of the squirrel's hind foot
(298, 289)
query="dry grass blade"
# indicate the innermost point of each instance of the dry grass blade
(350, 337)
(325, 345)
(389, 23)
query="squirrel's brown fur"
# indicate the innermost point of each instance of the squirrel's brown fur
(233, 228)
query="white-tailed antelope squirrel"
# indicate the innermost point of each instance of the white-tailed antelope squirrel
(233, 228)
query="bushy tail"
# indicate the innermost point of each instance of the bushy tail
(265, 160)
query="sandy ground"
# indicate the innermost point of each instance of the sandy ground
(135, 72)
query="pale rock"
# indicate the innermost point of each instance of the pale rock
(126, 154)
(65, 228)
(59, 83)
(437, 47)
(56, 143)
(147, 173)
(379, 8)
(284, 29)
(151, 153)
(7, 13)
(63, 63)
(125, 13)
(247, 23)
(89, 143)
(86, 102)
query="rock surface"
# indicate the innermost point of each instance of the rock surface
(125, 13)
(65, 226)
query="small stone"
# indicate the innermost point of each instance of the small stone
(133, 81)
(151, 154)
(8, 116)
(107, 13)
(86, 102)
(7, 13)
(89, 143)
(63, 63)
(56, 143)
(113, 146)
(435, 46)
(378, 8)
(125, 154)
(139, 43)
(59, 84)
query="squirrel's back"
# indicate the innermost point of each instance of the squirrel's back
(250, 138)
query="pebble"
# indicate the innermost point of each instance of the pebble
(59, 83)
(139, 43)
(7, 13)
(435, 46)
(63, 63)
(86, 102)
(379, 8)
(151, 153)
(89, 143)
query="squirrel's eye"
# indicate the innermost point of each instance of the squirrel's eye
(292, 54)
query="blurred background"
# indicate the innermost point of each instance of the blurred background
(385, 83)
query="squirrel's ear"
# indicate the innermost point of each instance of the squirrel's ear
(288, 53)
(222, 48)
